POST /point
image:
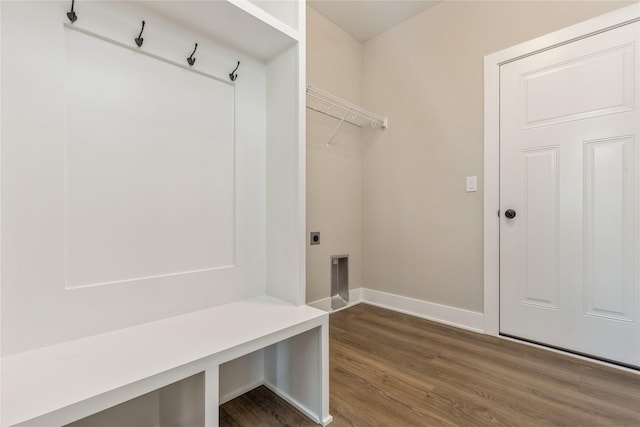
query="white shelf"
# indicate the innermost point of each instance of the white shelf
(329, 104)
(239, 24)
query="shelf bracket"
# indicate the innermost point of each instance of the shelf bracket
(338, 127)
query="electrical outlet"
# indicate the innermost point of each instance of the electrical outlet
(315, 238)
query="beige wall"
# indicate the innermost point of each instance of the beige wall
(422, 234)
(334, 174)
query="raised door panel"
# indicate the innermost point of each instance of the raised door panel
(610, 228)
(565, 91)
(539, 225)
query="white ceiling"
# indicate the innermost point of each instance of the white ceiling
(364, 19)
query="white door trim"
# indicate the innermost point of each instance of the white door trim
(492, 139)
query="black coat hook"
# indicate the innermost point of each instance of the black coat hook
(71, 14)
(233, 76)
(191, 60)
(139, 40)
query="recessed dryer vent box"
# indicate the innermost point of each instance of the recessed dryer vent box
(339, 281)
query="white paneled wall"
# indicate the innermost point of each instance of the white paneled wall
(124, 178)
(136, 147)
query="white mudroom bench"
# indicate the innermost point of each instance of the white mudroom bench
(62, 383)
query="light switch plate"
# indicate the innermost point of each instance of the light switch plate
(472, 184)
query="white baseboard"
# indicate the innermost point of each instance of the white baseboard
(239, 392)
(300, 407)
(458, 317)
(324, 304)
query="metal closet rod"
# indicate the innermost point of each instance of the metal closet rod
(348, 107)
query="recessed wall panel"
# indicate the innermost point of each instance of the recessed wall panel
(539, 217)
(149, 163)
(610, 227)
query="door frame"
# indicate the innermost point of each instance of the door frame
(492, 63)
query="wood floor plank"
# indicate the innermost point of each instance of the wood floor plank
(261, 407)
(391, 369)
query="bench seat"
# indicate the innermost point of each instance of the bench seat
(61, 383)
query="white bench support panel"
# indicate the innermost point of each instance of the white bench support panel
(287, 371)
(62, 383)
(211, 396)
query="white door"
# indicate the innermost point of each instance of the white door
(570, 171)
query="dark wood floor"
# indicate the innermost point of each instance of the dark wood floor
(390, 369)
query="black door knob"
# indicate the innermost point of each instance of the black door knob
(510, 213)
